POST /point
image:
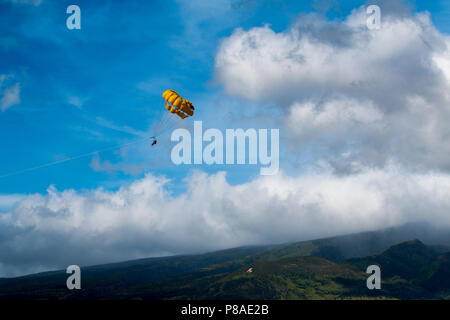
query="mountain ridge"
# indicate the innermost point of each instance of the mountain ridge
(412, 267)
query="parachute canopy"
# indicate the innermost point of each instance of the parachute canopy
(176, 104)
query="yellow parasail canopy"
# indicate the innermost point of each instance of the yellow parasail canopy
(176, 104)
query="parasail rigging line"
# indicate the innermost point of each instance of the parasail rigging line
(49, 164)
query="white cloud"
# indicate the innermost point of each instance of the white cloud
(144, 219)
(10, 97)
(335, 117)
(376, 95)
(316, 56)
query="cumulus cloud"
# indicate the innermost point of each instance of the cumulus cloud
(316, 57)
(333, 118)
(378, 95)
(145, 219)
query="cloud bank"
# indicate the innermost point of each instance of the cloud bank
(144, 219)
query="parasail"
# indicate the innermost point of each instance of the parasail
(176, 104)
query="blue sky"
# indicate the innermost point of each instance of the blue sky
(115, 68)
(83, 90)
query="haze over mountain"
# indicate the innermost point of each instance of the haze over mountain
(324, 268)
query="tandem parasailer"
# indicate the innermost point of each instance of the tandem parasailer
(177, 105)
(174, 104)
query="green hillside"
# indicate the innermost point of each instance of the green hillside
(364, 243)
(332, 268)
(102, 279)
(409, 270)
